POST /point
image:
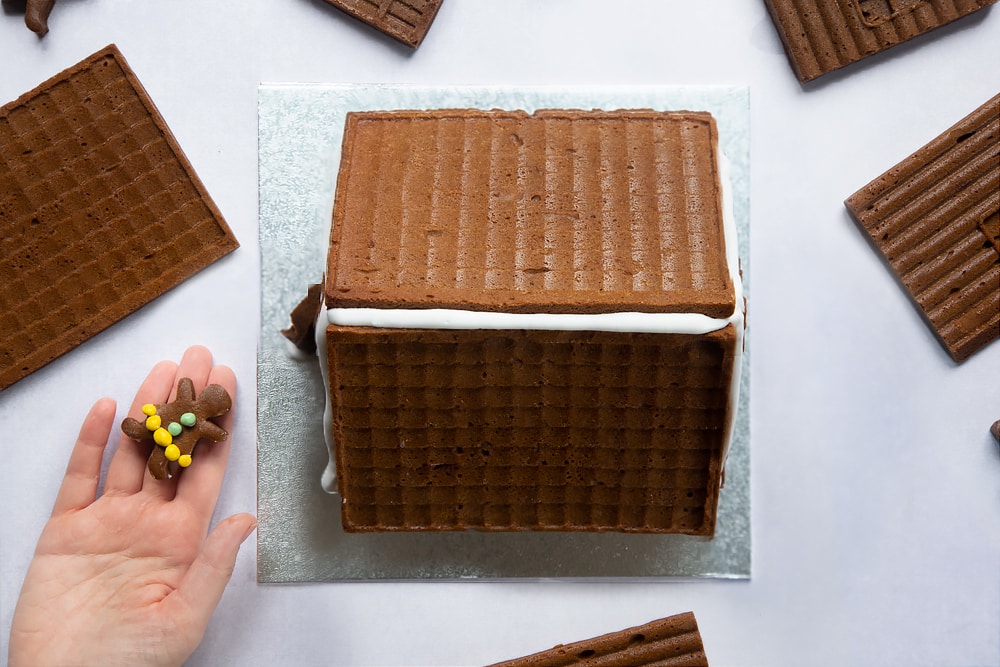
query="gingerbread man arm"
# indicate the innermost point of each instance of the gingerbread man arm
(212, 432)
(135, 429)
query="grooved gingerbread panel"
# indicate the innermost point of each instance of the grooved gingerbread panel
(935, 217)
(824, 35)
(100, 212)
(404, 20)
(668, 642)
(557, 211)
(529, 430)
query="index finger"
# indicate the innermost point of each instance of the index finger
(83, 472)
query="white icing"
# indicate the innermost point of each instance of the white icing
(293, 351)
(623, 322)
(329, 478)
(443, 318)
(738, 318)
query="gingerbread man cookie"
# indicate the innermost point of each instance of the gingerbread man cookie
(177, 426)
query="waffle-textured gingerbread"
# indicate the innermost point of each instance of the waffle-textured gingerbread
(176, 427)
(100, 212)
(529, 430)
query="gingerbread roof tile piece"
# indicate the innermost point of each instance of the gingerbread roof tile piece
(935, 218)
(406, 21)
(821, 36)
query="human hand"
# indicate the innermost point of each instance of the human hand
(130, 577)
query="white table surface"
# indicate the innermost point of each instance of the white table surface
(875, 482)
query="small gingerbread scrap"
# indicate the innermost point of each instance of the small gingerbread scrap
(302, 332)
(36, 15)
(176, 427)
(995, 429)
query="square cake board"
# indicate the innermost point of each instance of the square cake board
(299, 537)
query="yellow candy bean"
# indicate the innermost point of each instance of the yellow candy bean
(172, 452)
(149, 409)
(153, 422)
(162, 437)
(184, 461)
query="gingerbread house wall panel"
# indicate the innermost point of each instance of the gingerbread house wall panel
(540, 430)
(822, 35)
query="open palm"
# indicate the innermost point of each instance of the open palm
(132, 576)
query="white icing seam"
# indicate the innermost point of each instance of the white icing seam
(329, 478)
(622, 322)
(443, 318)
(738, 318)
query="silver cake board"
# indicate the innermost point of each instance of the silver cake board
(299, 537)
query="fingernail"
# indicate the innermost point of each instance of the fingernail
(246, 533)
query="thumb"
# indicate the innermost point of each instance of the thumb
(206, 579)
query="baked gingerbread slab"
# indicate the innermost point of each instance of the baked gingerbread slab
(669, 642)
(539, 430)
(935, 218)
(559, 210)
(100, 211)
(821, 36)
(406, 21)
(559, 213)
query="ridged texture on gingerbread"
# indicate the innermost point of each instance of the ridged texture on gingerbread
(824, 35)
(100, 212)
(539, 430)
(669, 642)
(404, 20)
(558, 211)
(935, 217)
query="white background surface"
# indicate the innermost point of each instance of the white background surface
(875, 483)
